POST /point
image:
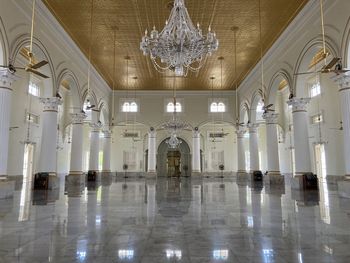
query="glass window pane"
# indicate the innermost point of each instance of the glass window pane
(221, 107)
(214, 107)
(170, 107)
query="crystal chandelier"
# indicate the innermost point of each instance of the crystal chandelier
(180, 46)
(174, 126)
(173, 142)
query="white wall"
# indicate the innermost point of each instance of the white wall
(292, 53)
(195, 112)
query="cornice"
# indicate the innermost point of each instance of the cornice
(179, 93)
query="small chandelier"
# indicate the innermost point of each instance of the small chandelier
(174, 126)
(173, 142)
(180, 46)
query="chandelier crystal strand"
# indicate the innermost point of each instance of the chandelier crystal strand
(180, 46)
(175, 125)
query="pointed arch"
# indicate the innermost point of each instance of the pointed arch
(304, 58)
(4, 45)
(68, 75)
(256, 98)
(244, 111)
(275, 81)
(24, 40)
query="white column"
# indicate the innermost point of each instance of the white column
(273, 166)
(152, 151)
(94, 147)
(48, 153)
(301, 135)
(106, 166)
(254, 147)
(240, 151)
(6, 81)
(344, 93)
(76, 155)
(196, 154)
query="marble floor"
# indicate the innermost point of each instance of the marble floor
(172, 220)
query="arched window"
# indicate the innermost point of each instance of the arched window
(178, 107)
(87, 110)
(217, 107)
(221, 107)
(126, 107)
(130, 107)
(170, 107)
(260, 107)
(133, 107)
(34, 89)
(214, 107)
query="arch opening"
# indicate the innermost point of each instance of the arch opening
(173, 162)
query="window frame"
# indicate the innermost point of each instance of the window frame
(217, 103)
(170, 101)
(129, 105)
(34, 89)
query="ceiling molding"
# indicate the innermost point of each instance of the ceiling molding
(179, 93)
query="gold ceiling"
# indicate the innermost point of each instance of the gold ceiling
(130, 18)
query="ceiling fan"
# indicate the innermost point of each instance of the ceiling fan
(341, 128)
(267, 108)
(335, 65)
(239, 124)
(89, 106)
(32, 65)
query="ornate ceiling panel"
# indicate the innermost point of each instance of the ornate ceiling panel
(130, 18)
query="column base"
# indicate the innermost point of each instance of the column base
(75, 179)
(93, 176)
(46, 181)
(344, 187)
(7, 188)
(196, 174)
(151, 175)
(256, 176)
(242, 176)
(274, 178)
(298, 182)
(306, 198)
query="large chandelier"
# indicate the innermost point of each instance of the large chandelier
(180, 46)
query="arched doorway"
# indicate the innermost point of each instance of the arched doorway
(173, 162)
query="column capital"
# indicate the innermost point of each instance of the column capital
(78, 118)
(51, 104)
(299, 104)
(253, 127)
(7, 79)
(343, 81)
(270, 117)
(95, 127)
(240, 133)
(196, 133)
(107, 134)
(152, 133)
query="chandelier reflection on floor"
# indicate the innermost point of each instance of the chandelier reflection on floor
(180, 46)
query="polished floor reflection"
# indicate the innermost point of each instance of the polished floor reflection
(172, 220)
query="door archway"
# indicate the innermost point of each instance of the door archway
(173, 162)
